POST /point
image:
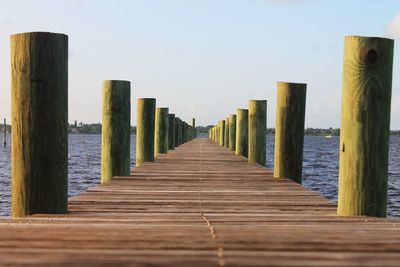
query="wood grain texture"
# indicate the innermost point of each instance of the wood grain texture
(242, 132)
(226, 133)
(161, 131)
(289, 130)
(39, 94)
(171, 131)
(179, 128)
(232, 132)
(365, 126)
(176, 131)
(194, 131)
(199, 205)
(145, 124)
(184, 132)
(214, 133)
(257, 136)
(217, 133)
(222, 132)
(116, 129)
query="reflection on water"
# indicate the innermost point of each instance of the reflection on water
(320, 167)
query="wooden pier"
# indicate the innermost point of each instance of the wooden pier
(199, 205)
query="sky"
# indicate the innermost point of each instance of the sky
(204, 58)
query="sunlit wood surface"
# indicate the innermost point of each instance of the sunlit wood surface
(200, 205)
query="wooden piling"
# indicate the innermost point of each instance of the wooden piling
(221, 132)
(289, 130)
(184, 128)
(184, 132)
(194, 127)
(39, 92)
(226, 135)
(179, 132)
(257, 131)
(217, 133)
(242, 123)
(189, 133)
(176, 131)
(145, 124)
(161, 131)
(365, 126)
(232, 132)
(116, 129)
(171, 131)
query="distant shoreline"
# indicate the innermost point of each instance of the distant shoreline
(95, 128)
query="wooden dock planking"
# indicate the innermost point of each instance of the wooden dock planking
(200, 205)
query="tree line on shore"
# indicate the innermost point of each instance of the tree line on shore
(95, 128)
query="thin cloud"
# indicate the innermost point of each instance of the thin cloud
(393, 28)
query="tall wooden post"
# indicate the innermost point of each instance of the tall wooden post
(221, 132)
(289, 131)
(146, 108)
(39, 92)
(194, 127)
(216, 136)
(257, 131)
(171, 131)
(217, 133)
(242, 123)
(161, 131)
(226, 135)
(176, 131)
(116, 129)
(184, 132)
(232, 132)
(365, 129)
(187, 134)
(179, 132)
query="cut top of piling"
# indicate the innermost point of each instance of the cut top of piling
(38, 33)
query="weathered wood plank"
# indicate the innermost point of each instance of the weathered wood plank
(199, 205)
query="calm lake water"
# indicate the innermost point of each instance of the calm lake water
(320, 167)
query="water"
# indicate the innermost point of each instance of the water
(84, 163)
(320, 167)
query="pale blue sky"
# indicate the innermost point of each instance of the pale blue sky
(204, 58)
